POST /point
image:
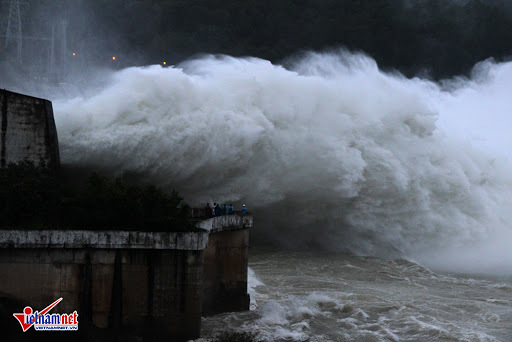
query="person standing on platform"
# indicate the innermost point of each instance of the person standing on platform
(218, 210)
(208, 211)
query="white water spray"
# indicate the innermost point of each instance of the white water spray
(331, 152)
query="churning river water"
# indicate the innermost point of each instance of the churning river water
(326, 297)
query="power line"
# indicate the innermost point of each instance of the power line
(14, 33)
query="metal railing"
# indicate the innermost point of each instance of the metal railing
(199, 213)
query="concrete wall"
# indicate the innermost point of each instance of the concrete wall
(135, 292)
(225, 264)
(27, 130)
(144, 284)
(237, 221)
(225, 272)
(133, 283)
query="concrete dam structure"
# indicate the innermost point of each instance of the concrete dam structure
(27, 130)
(124, 285)
(154, 284)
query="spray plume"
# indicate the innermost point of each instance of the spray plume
(330, 152)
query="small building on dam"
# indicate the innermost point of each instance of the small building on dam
(27, 130)
(149, 285)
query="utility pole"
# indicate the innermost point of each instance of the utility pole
(64, 45)
(51, 54)
(58, 50)
(14, 33)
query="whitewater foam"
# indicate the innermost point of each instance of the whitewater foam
(314, 296)
(331, 152)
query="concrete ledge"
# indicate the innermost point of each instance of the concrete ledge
(193, 241)
(226, 223)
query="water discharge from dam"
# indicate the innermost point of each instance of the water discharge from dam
(330, 152)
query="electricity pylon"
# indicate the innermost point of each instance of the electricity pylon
(14, 34)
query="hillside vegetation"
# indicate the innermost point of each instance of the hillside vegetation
(33, 197)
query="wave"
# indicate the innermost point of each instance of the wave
(330, 152)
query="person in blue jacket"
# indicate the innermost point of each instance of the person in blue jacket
(231, 210)
(218, 210)
(244, 209)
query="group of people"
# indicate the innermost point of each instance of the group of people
(216, 210)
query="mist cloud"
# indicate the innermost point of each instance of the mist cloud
(331, 153)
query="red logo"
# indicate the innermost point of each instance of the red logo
(45, 321)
